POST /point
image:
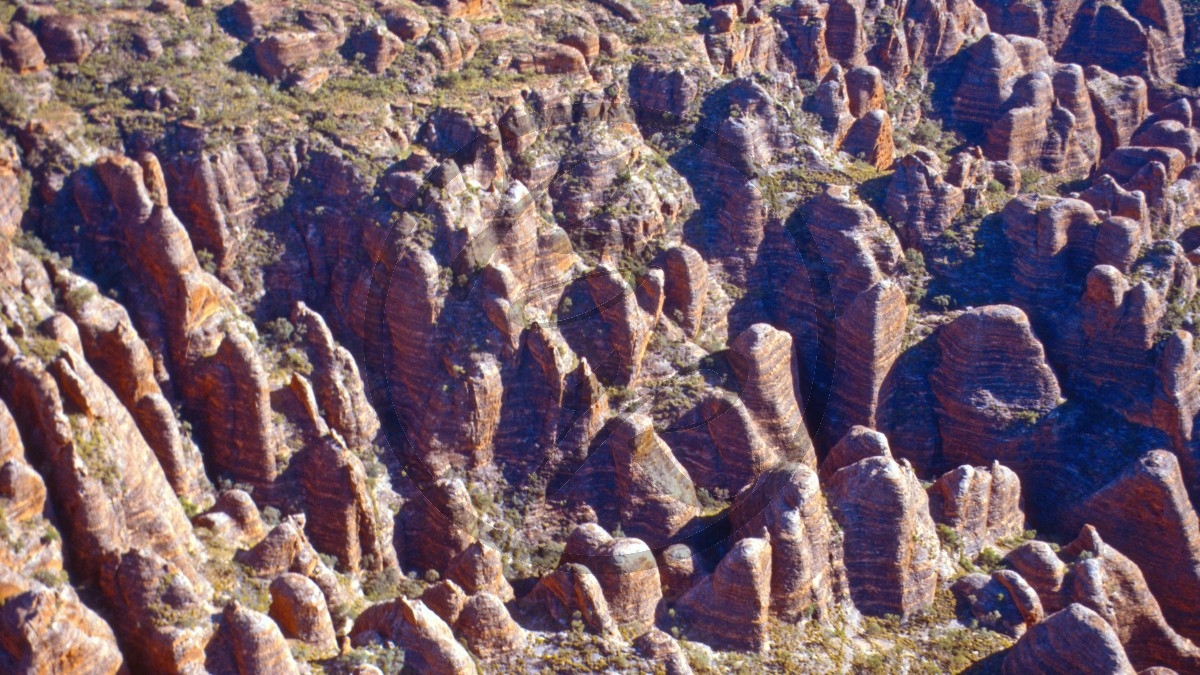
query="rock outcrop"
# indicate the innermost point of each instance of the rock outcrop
(891, 548)
(981, 505)
(1074, 640)
(807, 573)
(992, 385)
(1146, 514)
(1108, 583)
(730, 607)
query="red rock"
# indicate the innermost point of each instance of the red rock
(1145, 513)
(891, 548)
(299, 608)
(158, 612)
(657, 498)
(65, 39)
(453, 46)
(629, 327)
(730, 608)
(1074, 640)
(807, 577)
(425, 637)
(982, 505)
(864, 90)
(51, 631)
(480, 569)
(284, 56)
(573, 588)
(1004, 603)
(257, 645)
(1110, 584)
(20, 49)
(1120, 104)
(1041, 567)
(663, 649)
(488, 628)
(763, 361)
(871, 138)
(585, 42)
(405, 21)
(919, 201)
(441, 527)
(1145, 39)
(686, 288)
(992, 376)
(380, 48)
(626, 570)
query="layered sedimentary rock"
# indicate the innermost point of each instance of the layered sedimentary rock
(573, 588)
(424, 635)
(1146, 40)
(299, 608)
(982, 504)
(920, 201)
(255, 643)
(870, 137)
(480, 569)
(626, 570)
(992, 384)
(742, 452)
(125, 363)
(807, 574)
(686, 288)
(342, 516)
(1121, 105)
(1031, 111)
(442, 525)
(730, 607)
(1074, 640)
(859, 252)
(1042, 569)
(891, 548)
(336, 382)
(858, 444)
(65, 38)
(1004, 602)
(51, 631)
(158, 610)
(762, 360)
(629, 327)
(225, 386)
(487, 626)
(1108, 583)
(663, 649)
(20, 49)
(657, 498)
(1145, 514)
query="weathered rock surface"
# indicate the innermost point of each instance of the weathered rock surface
(657, 498)
(1145, 513)
(891, 548)
(424, 635)
(982, 505)
(626, 570)
(731, 606)
(1074, 640)
(807, 574)
(488, 628)
(991, 383)
(763, 362)
(299, 608)
(1004, 602)
(1108, 583)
